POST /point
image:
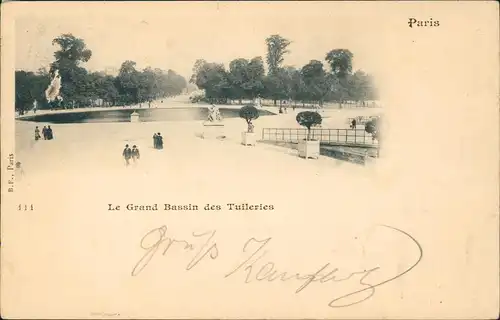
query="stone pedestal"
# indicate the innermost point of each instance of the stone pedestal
(248, 138)
(213, 131)
(134, 117)
(309, 149)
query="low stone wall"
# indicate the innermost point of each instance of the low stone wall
(339, 153)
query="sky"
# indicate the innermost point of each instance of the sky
(174, 35)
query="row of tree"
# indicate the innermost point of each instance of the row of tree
(247, 79)
(81, 88)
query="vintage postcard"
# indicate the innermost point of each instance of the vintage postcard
(250, 160)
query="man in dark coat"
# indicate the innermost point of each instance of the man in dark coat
(50, 135)
(159, 139)
(155, 141)
(127, 154)
(135, 153)
(44, 133)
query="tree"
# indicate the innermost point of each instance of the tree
(276, 50)
(198, 65)
(239, 77)
(247, 79)
(72, 52)
(127, 82)
(29, 87)
(249, 113)
(316, 81)
(275, 86)
(173, 83)
(340, 61)
(255, 84)
(106, 89)
(373, 128)
(298, 87)
(81, 88)
(213, 78)
(308, 119)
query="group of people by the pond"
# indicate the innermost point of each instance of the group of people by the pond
(47, 133)
(133, 154)
(158, 141)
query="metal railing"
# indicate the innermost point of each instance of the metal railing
(345, 137)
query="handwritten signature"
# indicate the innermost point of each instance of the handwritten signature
(162, 238)
(256, 270)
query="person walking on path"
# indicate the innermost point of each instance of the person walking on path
(50, 134)
(135, 153)
(159, 139)
(44, 132)
(155, 140)
(127, 154)
(37, 134)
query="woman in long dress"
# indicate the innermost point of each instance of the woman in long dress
(159, 140)
(37, 134)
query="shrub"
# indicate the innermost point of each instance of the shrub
(308, 119)
(372, 127)
(249, 113)
(197, 96)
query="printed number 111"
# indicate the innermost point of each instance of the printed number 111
(25, 207)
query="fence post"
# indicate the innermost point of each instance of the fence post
(346, 135)
(355, 135)
(338, 135)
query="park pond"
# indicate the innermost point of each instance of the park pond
(123, 115)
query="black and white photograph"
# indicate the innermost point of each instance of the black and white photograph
(249, 160)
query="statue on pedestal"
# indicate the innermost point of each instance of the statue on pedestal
(214, 114)
(257, 102)
(213, 125)
(52, 94)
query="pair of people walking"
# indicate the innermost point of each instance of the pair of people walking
(46, 132)
(131, 154)
(158, 141)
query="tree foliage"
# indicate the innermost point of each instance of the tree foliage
(372, 127)
(276, 50)
(308, 119)
(246, 79)
(30, 87)
(340, 61)
(81, 88)
(249, 113)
